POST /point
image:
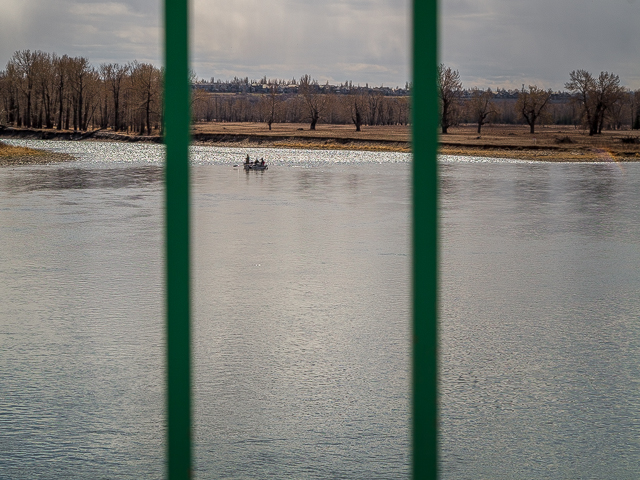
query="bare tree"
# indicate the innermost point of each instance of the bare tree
(635, 110)
(596, 95)
(24, 63)
(45, 89)
(114, 76)
(481, 106)
(12, 92)
(80, 76)
(354, 106)
(374, 100)
(314, 101)
(200, 106)
(403, 110)
(146, 83)
(4, 96)
(532, 104)
(271, 103)
(449, 92)
(618, 111)
(61, 67)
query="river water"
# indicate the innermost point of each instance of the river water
(301, 316)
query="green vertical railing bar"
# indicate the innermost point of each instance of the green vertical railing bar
(177, 122)
(425, 240)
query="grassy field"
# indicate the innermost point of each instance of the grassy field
(550, 143)
(390, 133)
(298, 135)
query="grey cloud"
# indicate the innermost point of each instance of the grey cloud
(305, 37)
(500, 42)
(491, 42)
(101, 31)
(280, 38)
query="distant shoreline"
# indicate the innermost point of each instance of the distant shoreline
(233, 137)
(548, 144)
(553, 143)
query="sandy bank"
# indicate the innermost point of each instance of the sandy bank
(10, 156)
(550, 144)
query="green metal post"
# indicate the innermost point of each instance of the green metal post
(177, 122)
(425, 240)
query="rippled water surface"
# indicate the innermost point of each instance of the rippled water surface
(540, 330)
(301, 316)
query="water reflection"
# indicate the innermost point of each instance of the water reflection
(539, 344)
(533, 198)
(596, 191)
(301, 320)
(77, 178)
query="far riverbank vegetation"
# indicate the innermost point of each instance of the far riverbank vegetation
(46, 91)
(590, 102)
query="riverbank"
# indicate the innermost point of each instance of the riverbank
(392, 138)
(249, 135)
(549, 143)
(11, 155)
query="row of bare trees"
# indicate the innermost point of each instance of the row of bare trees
(42, 90)
(594, 102)
(361, 106)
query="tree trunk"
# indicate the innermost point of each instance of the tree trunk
(85, 117)
(314, 120)
(601, 123)
(116, 116)
(358, 118)
(148, 115)
(68, 115)
(61, 106)
(28, 115)
(12, 109)
(75, 117)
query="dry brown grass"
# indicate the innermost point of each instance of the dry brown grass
(551, 143)
(12, 155)
(386, 133)
(10, 150)
(298, 135)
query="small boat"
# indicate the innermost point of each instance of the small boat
(255, 166)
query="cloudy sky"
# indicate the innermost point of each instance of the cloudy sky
(498, 43)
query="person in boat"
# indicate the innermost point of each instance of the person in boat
(247, 161)
(256, 162)
(262, 162)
